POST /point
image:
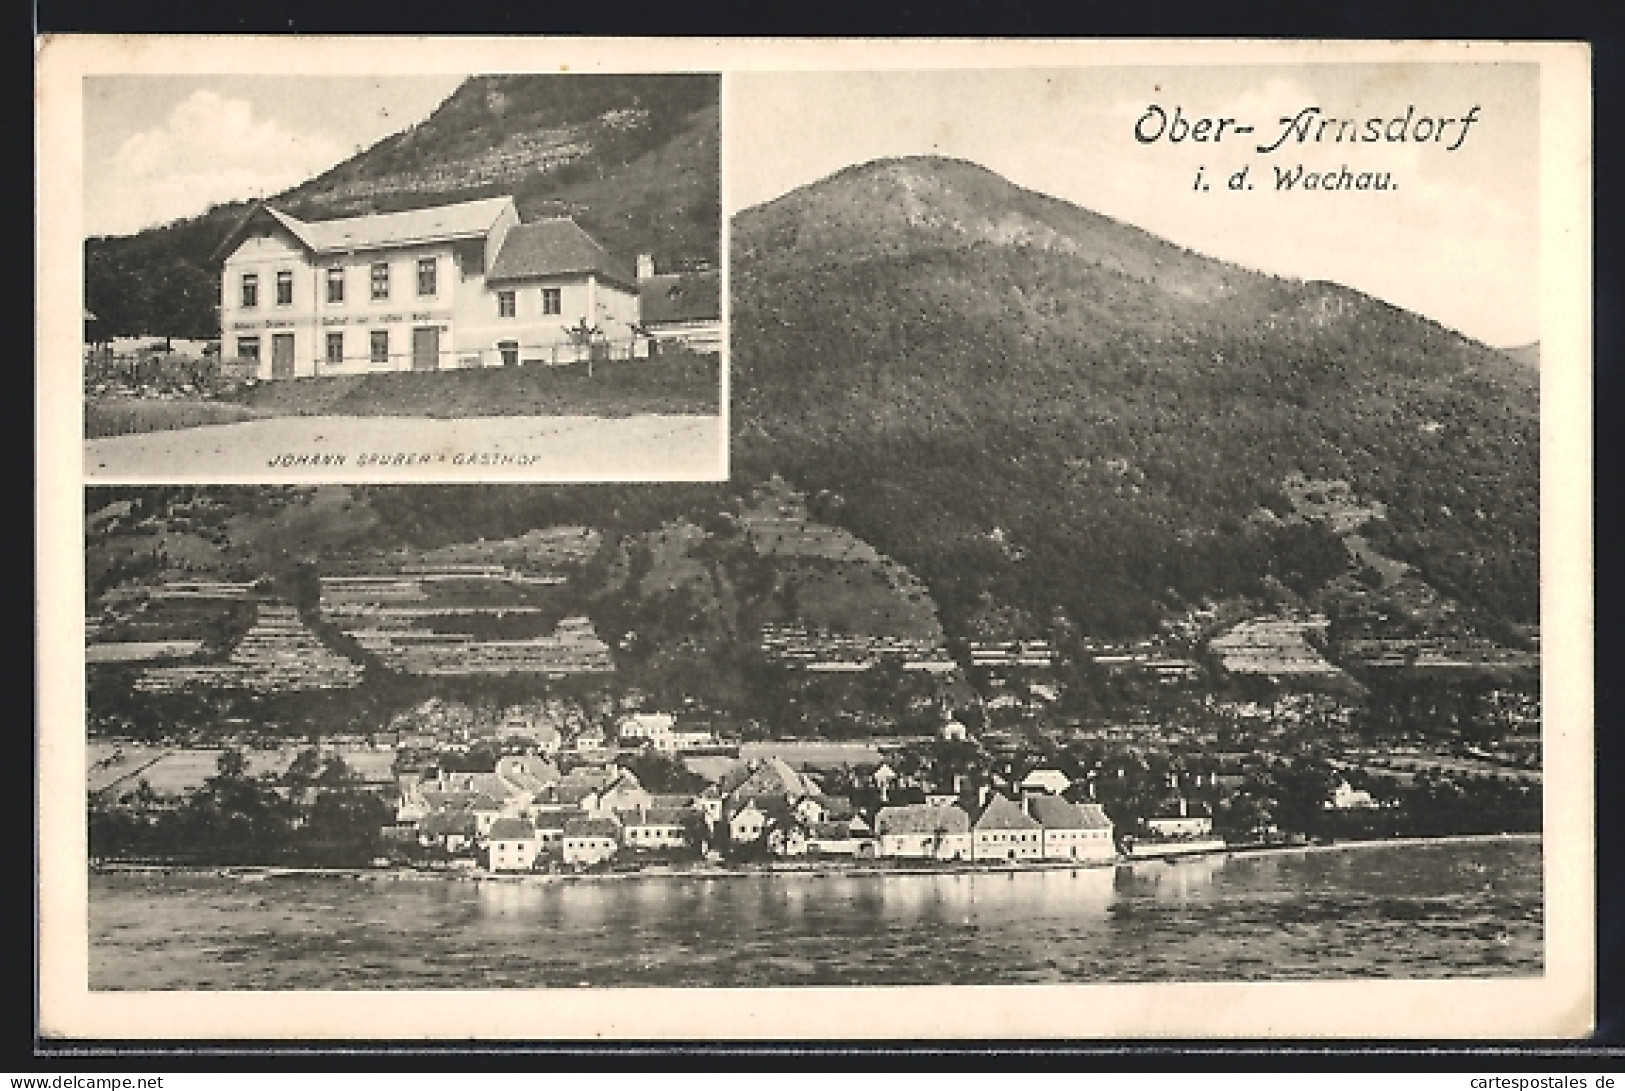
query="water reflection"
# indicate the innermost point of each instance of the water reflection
(1386, 912)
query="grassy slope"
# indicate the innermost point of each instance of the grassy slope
(678, 385)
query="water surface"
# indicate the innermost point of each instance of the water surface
(1429, 911)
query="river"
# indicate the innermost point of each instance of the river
(1462, 909)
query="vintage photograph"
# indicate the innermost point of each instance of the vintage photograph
(1137, 603)
(402, 278)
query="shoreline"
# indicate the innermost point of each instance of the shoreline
(264, 873)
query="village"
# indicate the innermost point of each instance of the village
(548, 702)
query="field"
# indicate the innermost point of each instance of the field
(857, 598)
(178, 772)
(117, 416)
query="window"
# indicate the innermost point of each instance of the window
(335, 348)
(507, 305)
(380, 346)
(284, 287)
(251, 290)
(510, 353)
(335, 284)
(380, 280)
(426, 277)
(248, 348)
(552, 301)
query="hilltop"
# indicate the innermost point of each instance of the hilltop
(633, 158)
(1026, 401)
(1528, 355)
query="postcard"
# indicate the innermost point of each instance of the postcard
(609, 539)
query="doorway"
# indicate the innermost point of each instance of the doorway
(425, 348)
(281, 355)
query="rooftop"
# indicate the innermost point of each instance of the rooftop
(921, 818)
(681, 297)
(461, 220)
(557, 247)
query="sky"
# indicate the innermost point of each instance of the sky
(158, 148)
(1456, 240)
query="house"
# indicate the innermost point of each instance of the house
(1346, 797)
(810, 809)
(453, 285)
(487, 810)
(590, 839)
(549, 821)
(922, 831)
(1052, 781)
(693, 738)
(450, 830)
(1178, 820)
(1004, 831)
(624, 793)
(1072, 831)
(834, 839)
(654, 728)
(787, 839)
(746, 824)
(526, 774)
(512, 845)
(951, 730)
(772, 778)
(582, 786)
(709, 803)
(654, 828)
(680, 308)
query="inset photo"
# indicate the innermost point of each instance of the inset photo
(393, 279)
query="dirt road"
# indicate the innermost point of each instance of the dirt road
(418, 449)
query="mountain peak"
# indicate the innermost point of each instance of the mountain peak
(908, 205)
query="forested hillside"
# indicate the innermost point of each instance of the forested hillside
(635, 159)
(944, 356)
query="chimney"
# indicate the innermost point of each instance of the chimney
(646, 266)
(981, 796)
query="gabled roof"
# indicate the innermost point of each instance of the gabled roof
(511, 829)
(593, 826)
(487, 784)
(1003, 814)
(773, 777)
(528, 772)
(551, 248)
(832, 831)
(681, 297)
(1050, 780)
(442, 823)
(1055, 813)
(652, 816)
(921, 818)
(438, 223)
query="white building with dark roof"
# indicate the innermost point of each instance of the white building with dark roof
(681, 309)
(455, 285)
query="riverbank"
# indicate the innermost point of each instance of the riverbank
(822, 869)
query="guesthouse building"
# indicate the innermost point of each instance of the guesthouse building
(451, 286)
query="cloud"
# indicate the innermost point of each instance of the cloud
(210, 149)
